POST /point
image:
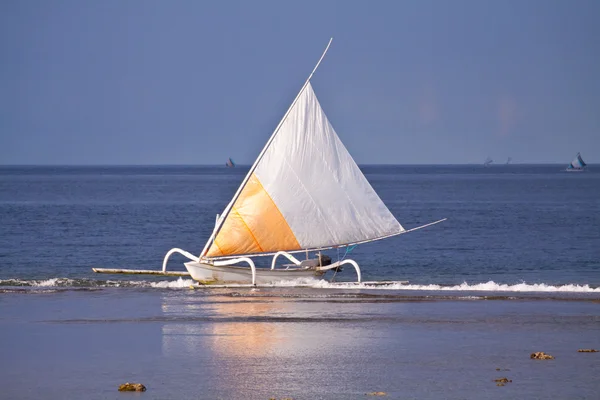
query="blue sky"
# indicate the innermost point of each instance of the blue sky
(194, 82)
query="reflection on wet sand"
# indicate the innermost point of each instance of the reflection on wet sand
(264, 342)
(235, 328)
(223, 346)
(256, 326)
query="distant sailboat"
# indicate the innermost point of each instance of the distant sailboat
(577, 165)
(509, 160)
(487, 162)
(230, 163)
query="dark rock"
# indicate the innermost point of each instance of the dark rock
(587, 351)
(540, 355)
(132, 387)
(502, 380)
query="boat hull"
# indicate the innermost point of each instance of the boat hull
(210, 274)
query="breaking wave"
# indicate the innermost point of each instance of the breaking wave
(180, 283)
(490, 286)
(77, 283)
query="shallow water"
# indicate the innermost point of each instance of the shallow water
(298, 343)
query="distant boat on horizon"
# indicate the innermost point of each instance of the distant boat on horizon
(230, 163)
(487, 162)
(577, 165)
(509, 160)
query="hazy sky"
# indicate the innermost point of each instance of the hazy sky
(194, 82)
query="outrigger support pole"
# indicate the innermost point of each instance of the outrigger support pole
(287, 255)
(340, 263)
(182, 252)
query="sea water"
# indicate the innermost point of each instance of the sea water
(515, 269)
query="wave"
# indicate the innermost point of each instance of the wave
(78, 283)
(490, 286)
(180, 283)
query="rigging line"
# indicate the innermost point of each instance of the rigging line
(336, 269)
(348, 250)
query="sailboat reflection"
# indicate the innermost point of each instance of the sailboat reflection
(258, 325)
(224, 326)
(268, 341)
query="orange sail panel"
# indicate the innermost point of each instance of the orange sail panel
(254, 225)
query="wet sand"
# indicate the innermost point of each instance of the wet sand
(294, 343)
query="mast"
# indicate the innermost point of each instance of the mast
(260, 156)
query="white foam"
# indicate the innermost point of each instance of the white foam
(299, 282)
(179, 283)
(67, 282)
(490, 286)
(51, 282)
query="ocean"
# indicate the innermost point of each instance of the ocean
(515, 269)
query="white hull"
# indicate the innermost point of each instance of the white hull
(211, 274)
(575, 169)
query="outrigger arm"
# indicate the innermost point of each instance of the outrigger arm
(340, 263)
(216, 263)
(180, 251)
(319, 268)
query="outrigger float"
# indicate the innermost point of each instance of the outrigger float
(303, 194)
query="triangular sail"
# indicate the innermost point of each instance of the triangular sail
(577, 162)
(306, 192)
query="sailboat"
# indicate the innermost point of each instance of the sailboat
(230, 163)
(303, 194)
(577, 165)
(487, 162)
(508, 160)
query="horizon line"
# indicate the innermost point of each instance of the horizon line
(249, 165)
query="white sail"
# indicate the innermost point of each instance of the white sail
(306, 192)
(577, 162)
